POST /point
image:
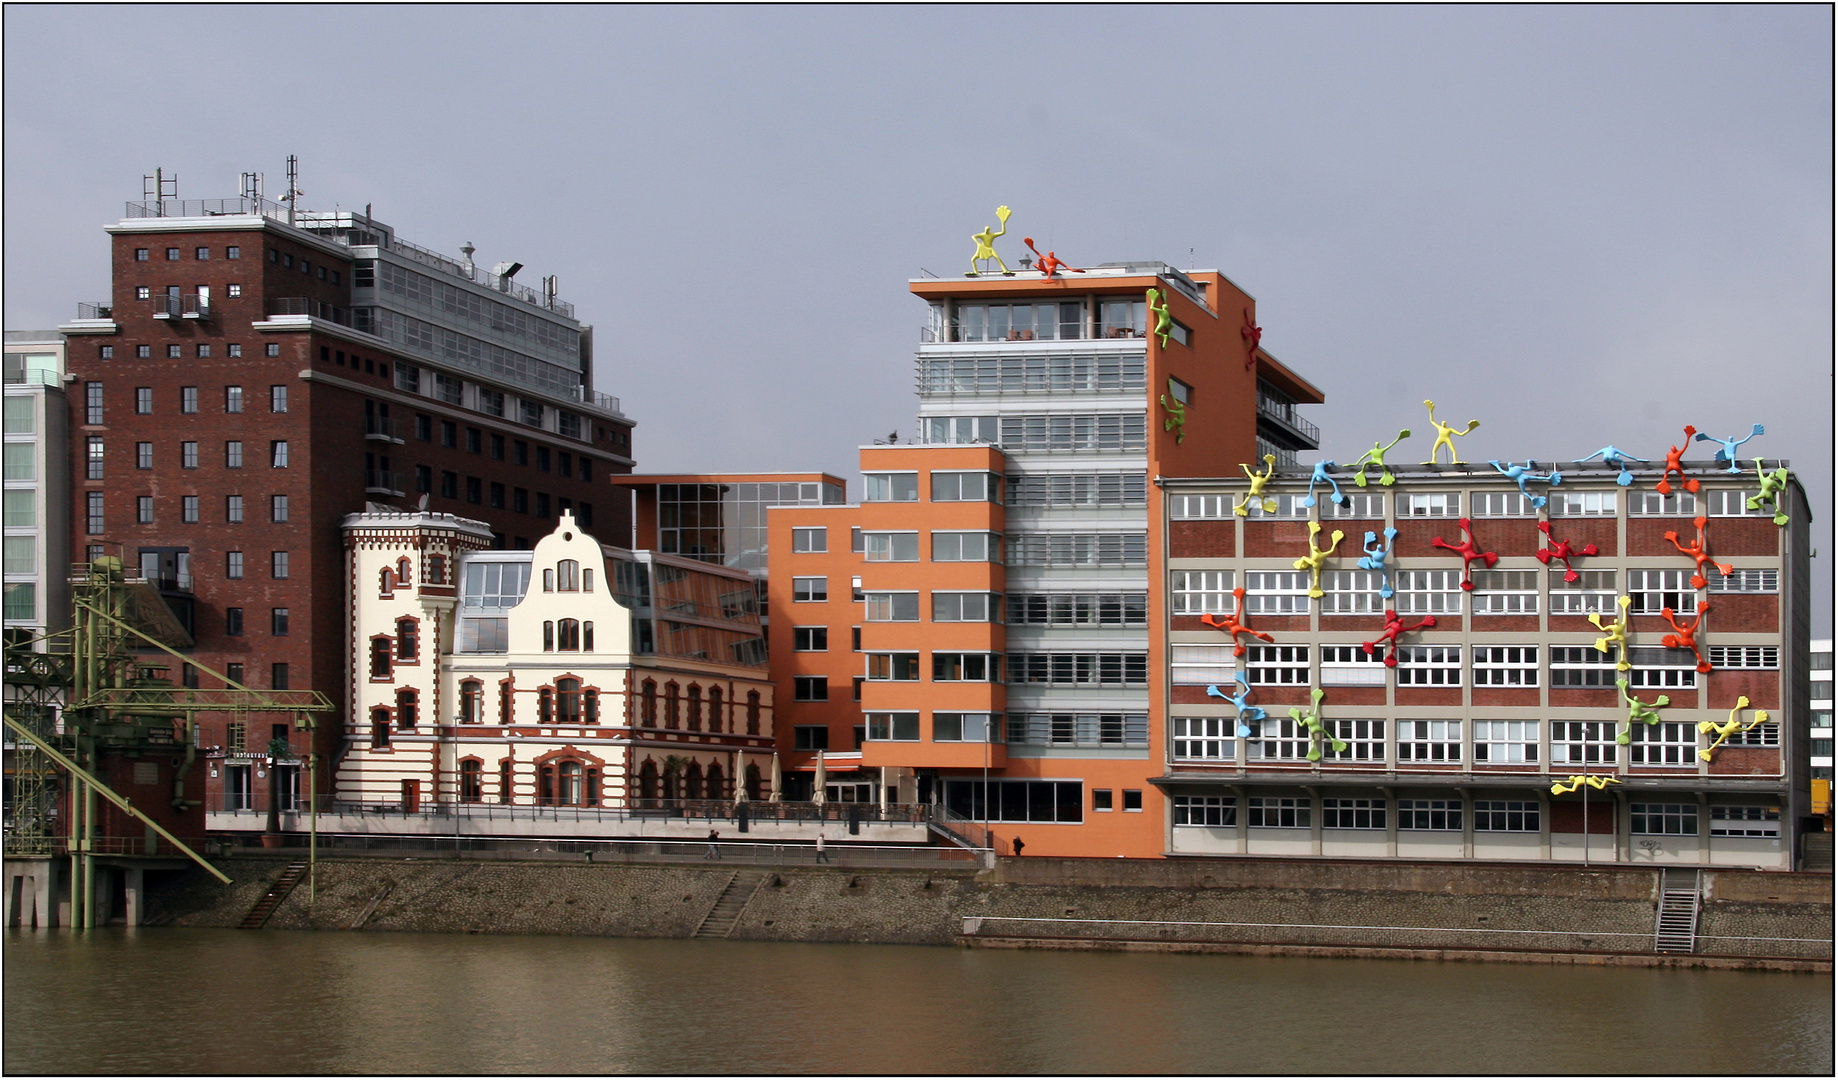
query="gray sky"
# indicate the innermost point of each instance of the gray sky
(1581, 225)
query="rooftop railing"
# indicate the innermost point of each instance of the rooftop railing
(306, 305)
(1286, 414)
(100, 309)
(206, 208)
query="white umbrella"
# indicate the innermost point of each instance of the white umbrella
(822, 781)
(778, 778)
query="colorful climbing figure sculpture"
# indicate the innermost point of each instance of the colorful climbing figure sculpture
(1686, 637)
(1562, 551)
(1699, 552)
(1675, 463)
(1469, 551)
(1243, 507)
(1321, 475)
(1049, 264)
(1773, 486)
(1615, 459)
(1570, 786)
(1376, 559)
(1376, 457)
(1638, 711)
(1394, 627)
(1445, 436)
(1233, 624)
(1730, 727)
(1176, 420)
(986, 246)
(1312, 562)
(1252, 334)
(1310, 720)
(1164, 320)
(1248, 714)
(1615, 633)
(1729, 445)
(1523, 474)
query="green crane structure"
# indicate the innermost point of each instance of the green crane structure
(93, 696)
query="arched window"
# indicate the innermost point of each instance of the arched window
(437, 569)
(545, 705)
(504, 780)
(692, 781)
(472, 701)
(568, 576)
(386, 581)
(380, 657)
(590, 706)
(471, 780)
(545, 786)
(716, 721)
(714, 782)
(408, 640)
(695, 707)
(587, 636)
(753, 785)
(647, 780)
(593, 788)
(673, 784)
(404, 573)
(548, 636)
(647, 703)
(568, 635)
(567, 701)
(379, 727)
(407, 706)
(504, 701)
(571, 791)
(672, 717)
(753, 712)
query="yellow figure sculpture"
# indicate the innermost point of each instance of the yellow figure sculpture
(1445, 436)
(1256, 494)
(1316, 557)
(1616, 633)
(1724, 730)
(986, 246)
(1566, 787)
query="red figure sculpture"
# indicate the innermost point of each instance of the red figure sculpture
(1687, 637)
(1468, 552)
(1393, 627)
(1234, 625)
(1699, 552)
(1252, 334)
(1562, 551)
(1048, 264)
(1675, 462)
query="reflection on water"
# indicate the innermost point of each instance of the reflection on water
(190, 1001)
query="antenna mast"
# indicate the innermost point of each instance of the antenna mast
(154, 187)
(293, 190)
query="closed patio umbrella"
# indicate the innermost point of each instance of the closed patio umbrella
(822, 781)
(778, 778)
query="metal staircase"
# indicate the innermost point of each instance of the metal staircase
(258, 915)
(720, 920)
(1676, 928)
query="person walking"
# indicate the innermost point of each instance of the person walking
(1018, 846)
(714, 852)
(822, 855)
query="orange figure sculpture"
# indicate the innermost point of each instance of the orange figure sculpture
(1562, 551)
(1050, 263)
(1675, 462)
(1234, 625)
(1699, 552)
(1468, 551)
(1393, 627)
(1686, 637)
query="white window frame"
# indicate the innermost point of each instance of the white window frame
(1669, 744)
(1365, 741)
(1718, 501)
(992, 545)
(992, 606)
(1278, 739)
(1429, 665)
(1504, 592)
(1505, 665)
(1202, 738)
(1659, 668)
(1654, 589)
(1351, 592)
(1200, 507)
(1277, 665)
(1287, 506)
(1429, 504)
(992, 485)
(1202, 592)
(1369, 505)
(1427, 592)
(1747, 580)
(1763, 822)
(1583, 504)
(1505, 742)
(991, 663)
(1598, 668)
(1435, 741)
(1276, 592)
(881, 605)
(883, 486)
(1353, 814)
(1501, 504)
(802, 593)
(884, 661)
(1279, 812)
(1352, 665)
(1652, 504)
(1506, 815)
(1594, 592)
(1584, 744)
(1205, 811)
(810, 539)
(1429, 815)
(890, 545)
(1744, 657)
(1663, 819)
(892, 726)
(1201, 665)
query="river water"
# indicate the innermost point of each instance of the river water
(169, 1000)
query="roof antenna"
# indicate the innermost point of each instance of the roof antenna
(293, 190)
(154, 187)
(252, 189)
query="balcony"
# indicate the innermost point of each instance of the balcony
(306, 305)
(101, 309)
(181, 306)
(956, 335)
(1287, 423)
(382, 429)
(383, 482)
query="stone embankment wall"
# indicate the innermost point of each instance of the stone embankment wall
(1349, 909)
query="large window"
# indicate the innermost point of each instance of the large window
(1078, 549)
(1444, 504)
(1582, 667)
(1058, 431)
(1203, 738)
(1079, 609)
(1429, 665)
(1505, 592)
(966, 547)
(1503, 504)
(1498, 815)
(1365, 741)
(978, 607)
(1506, 742)
(1275, 592)
(1653, 590)
(1427, 592)
(813, 539)
(966, 727)
(1352, 665)
(966, 667)
(893, 726)
(1352, 813)
(810, 688)
(1278, 740)
(1664, 819)
(1351, 592)
(966, 487)
(1202, 592)
(894, 667)
(1668, 742)
(1746, 581)
(891, 606)
(1431, 815)
(1041, 321)
(1663, 669)
(1079, 729)
(1201, 665)
(1214, 811)
(809, 590)
(1277, 665)
(1080, 669)
(1506, 665)
(1755, 821)
(1583, 742)
(1267, 812)
(890, 546)
(1074, 489)
(1016, 800)
(1581, 504)
(1653, 504)
(891, 487)
(1369, 505)
(1593, 592)
(1433, 741)
(810, 638)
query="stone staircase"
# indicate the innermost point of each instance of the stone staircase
(720, 920)
(258, 915)
(1816, 851)
(1676, 929)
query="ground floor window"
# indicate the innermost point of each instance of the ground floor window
(1216, 811)
(1278, 813)
(1016, 800)
(1352, 813)
(1435, 815)
(1493, 815)
(1664, 819)
(1762, 821)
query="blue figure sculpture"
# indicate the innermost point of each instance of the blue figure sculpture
(1320, 476)
(1520, 474)
(1616, 459)
(1245, 711)
(1376, 557)
(1728, 453)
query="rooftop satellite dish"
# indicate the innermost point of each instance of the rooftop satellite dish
(422, 503)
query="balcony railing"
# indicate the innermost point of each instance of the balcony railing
(381, 429)
(382, 482)
(1286, 415)
(166, 582)
(181, 306)
(935, 335)
(206, 208)
(306, 305)
(101, 309)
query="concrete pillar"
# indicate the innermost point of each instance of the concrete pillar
(102, 888)
(1467, 823)
(16, 882)
(1391, 822)
(135, 880)
(1241, 814)
(1544, 823)
(1314, 819)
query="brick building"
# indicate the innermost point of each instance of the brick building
(256, 374)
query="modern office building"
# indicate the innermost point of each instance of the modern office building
(1615, 675)
(1819, 711)
(37, 487)
(256, 374)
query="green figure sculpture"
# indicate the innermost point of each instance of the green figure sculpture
(1638, 711)
(1773, 485)
(1164, 322)
(1311, 722)
(1376, 457)
(1176, 420)
(986, 247)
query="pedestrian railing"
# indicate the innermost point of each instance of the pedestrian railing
(728, 850)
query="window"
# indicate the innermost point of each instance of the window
(1505, 592)
(277, 399)
(1275, 592)
(815, 539)
(277, 454)
(1427, 592)
(1277, 665)
(272, 349)
(1351, 592)
(966, 547)
(497, 447)
(893, 726)
(278, 564)
(1733, 502)
(1593, 592)
(810, 737)
(1746, 581)
(235, 349)
(449, 435)
(408, 708)
(233, 454)
(1505, 665)
(1671, 669)
(1079, 668)
(1078, 609)
(1352, 665)
(810, 688)
(1664, 819)
(94, 507)
(174, 352)
(140, 254)
(1201, 665)
(888, 547)
(520, 500)
(188, 455)
(1202, 592)
(475, 440)
(1653, 504)
(277, 508)
(96, 459)
(966, 487)
(1668, 742)
(143, 400)
(1582, 504)
(1768, 734)
(1267, 812)
(1429, 740)
(1582, 666)
(449, 484)
(1016, 800)
(966, 667)
(1429, 815)
(475, 490)
(891, 487)
(1200, 507)
(966, 607)
(1080, 489)
(188, 509)
(496, 496)
(1653, 590)
(143, 352)
(1352, 813)
(143, 458)
(1079, 549)
(92, 402)
(1067, 432)
(530, 412)
(809, 589)
(1503, 504)
(172, 254)
(810, 638)
(232, 399)
(1203, 738)
(1132, 800)
(1506, 742)
(1213, 811)
(1275, 739)
(891, 607)
(1359, 504)
(965, 727)
(1583, 742)
(233, 622)
(143, 510)
(1365, 741)
(960, 429)
(278, 677)
(1444, 504)
(1753, 657)
(233, 565)
(204, 352)
(1079, 729)
(893, 667)
(520, 452)
(277, 622)
(1760, 821)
